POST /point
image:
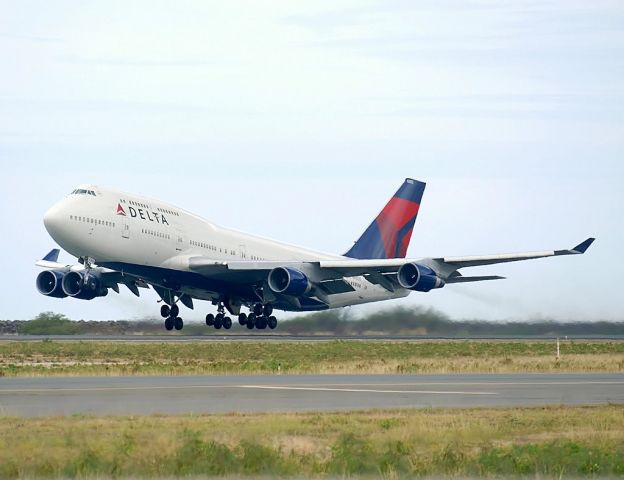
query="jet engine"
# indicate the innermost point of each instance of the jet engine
(83, 286)
(413, 276)
(49, 283)
(288, 281)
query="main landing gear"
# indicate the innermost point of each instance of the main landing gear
(260, 317)
(220, 320)
(170, 314)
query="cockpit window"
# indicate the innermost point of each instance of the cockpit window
(82, 191)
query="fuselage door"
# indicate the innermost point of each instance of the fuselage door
(125, 228)
(179, 240)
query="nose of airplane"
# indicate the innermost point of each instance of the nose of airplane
(52, 220)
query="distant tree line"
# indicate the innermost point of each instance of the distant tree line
(431, 322)
(395, 321)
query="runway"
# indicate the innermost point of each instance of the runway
(284, 393)
(279, 337)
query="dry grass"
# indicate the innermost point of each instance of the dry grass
(501, 364)
(531, 441)
(114, 358)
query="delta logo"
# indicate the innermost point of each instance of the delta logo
(142, 214)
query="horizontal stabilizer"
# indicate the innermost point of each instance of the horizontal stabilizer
(461, 279)
(52, 256)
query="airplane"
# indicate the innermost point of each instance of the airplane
(126, 239)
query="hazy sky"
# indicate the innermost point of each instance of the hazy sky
(297, 121)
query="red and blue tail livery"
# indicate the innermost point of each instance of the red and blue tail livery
(390, 233)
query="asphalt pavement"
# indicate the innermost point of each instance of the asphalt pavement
(41, 396)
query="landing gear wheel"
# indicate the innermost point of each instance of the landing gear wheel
(169, 323)
(174, 310)
(251, 321)
(242, 319)
(218, 321)
(258, 308)
(227, 323)
(178, 323)
(261, 323)
(165, 311)
(272, 322)
(210, 318)
(267, 310)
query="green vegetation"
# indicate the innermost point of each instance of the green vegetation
(428, 321)
(544, 442)
(394, 321)
(49, 323)
(339, 356)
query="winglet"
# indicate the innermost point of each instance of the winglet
(583, 246)
(52, 256)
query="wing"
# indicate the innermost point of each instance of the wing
(445, 267)
(329, 275)
(250, 279)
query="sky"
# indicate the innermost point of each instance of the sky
(298, 120)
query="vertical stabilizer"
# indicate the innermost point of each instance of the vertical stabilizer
(390, 233)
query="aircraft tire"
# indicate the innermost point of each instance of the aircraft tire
(261, 323)
(174, 310)
(178, 323)
(227, 323)
(242, 319)
(218, 323)
(165, 311)
(267, 310)
(258, 308)
(272, 322)
(169, 323)
(210, 318)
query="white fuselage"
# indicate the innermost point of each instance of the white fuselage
(115, 227)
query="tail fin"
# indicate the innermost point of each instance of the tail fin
(390, 233)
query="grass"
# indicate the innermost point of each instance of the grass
(550, 442)
(232, 357)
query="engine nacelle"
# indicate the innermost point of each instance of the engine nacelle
(49, 284)
(85, 287)
(289, 281)
(413, 276)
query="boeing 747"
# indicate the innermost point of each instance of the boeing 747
(125, 239)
